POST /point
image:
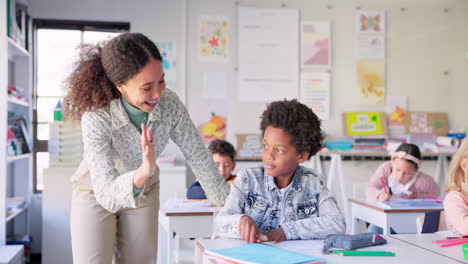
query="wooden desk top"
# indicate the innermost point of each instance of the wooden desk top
(189, 211)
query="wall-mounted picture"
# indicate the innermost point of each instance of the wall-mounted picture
(315, 45)
(213, 38)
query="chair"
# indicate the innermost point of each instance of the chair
(431, 222)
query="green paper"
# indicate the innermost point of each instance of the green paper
(364, 253)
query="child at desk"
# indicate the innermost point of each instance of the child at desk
(456, 201)
(223, 155)
(400, 178)
(282, 200)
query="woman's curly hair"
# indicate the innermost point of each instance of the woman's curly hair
(100, 67)
(298, 121)
(222, 147)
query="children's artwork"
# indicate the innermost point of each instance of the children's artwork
(371, 82)
(426, 123)
(364, 124)
(168, 53)
(315, 45)
(249, 147)
(396, 108)
(212, 119)
(370, 22)
(315, 92)
(213, 38)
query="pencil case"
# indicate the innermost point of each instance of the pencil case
(347, 242)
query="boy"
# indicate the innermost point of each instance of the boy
(223, 156)
(282, 200)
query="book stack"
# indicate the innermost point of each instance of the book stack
(18, 23)
(19, 139)
(369, 144)
(65, 144)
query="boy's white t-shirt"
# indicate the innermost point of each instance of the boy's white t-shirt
(283, 193)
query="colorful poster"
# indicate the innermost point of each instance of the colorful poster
(168, 53)
(370, 22)
(211, 119)
(364, 124)
(315, 45)
(395, 107)
(371, 82)
(213, 38)
(315, 92)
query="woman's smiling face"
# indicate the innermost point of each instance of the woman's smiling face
(145, 88)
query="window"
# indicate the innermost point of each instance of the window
(56, 43)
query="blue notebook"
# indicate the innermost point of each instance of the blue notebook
(262, 254)
(413, 203)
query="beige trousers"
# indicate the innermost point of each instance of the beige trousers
(127, 236)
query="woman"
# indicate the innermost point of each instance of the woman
(127, 117)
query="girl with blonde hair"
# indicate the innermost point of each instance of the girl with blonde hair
(456, 201)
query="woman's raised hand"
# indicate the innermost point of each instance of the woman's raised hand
(148, 163)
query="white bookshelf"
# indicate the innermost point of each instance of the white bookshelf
(15, 170)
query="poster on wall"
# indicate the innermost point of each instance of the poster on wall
(395, 107)
(315, 92)
(168, 53)
(315, 44)
(371, 82)
(268, 54)
(215, 85)
(364, 123)
(370, 22)
(370, 47)
(213, 38)
(211, 119)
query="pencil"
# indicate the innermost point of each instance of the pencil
(384, 186)
(196, 200)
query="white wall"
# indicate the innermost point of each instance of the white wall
(422, 43)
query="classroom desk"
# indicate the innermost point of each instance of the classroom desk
(186, 222)
(335, 171)
(425, 241)
(402, 220)
(405, 253)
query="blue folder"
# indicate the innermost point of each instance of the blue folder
(262, 254)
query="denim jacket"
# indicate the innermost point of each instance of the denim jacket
(311, 211)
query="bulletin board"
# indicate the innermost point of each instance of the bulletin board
(417, 123)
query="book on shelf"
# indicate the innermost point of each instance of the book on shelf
(19, 128)
(260, 253)
(18, 23)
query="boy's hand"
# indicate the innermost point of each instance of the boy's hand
(383, 196)
(409, 196)
(276, 236)
(248, 230)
